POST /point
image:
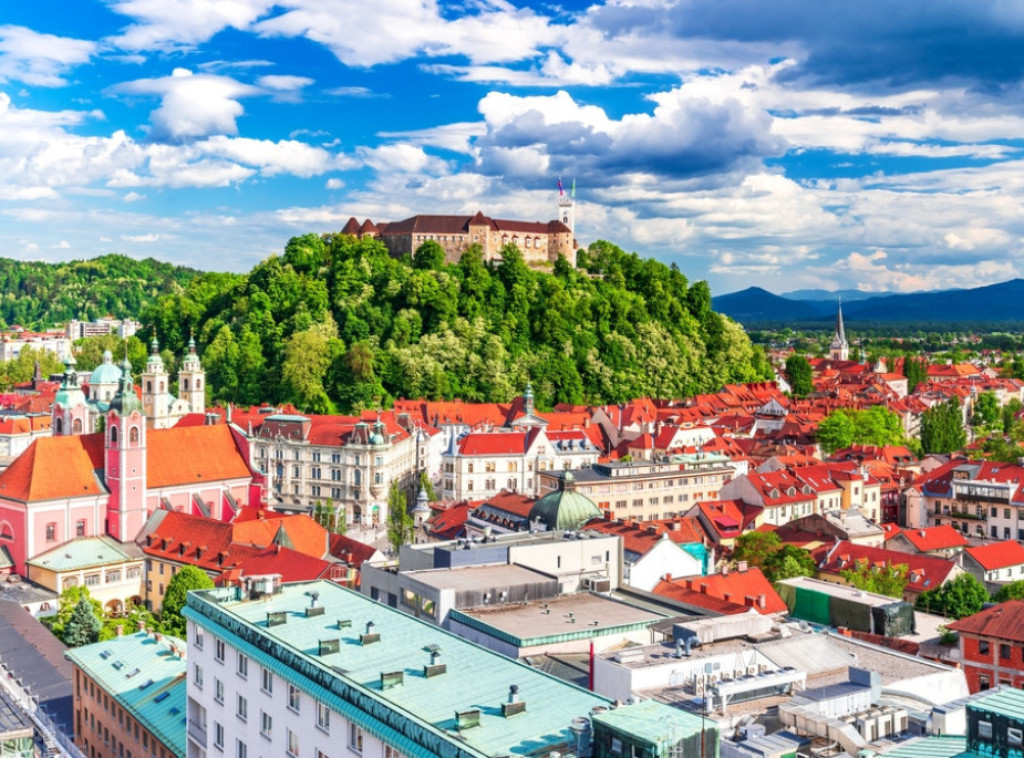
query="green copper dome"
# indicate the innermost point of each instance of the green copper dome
(565, 508)
(126, 401)
(106, 372)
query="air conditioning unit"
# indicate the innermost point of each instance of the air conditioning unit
(712, 678)
(763, 668)
(751, 670)
(598, 584)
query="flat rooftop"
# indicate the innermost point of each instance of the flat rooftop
(844, 591)
(476, 577)
(534, 621)
(420, 711)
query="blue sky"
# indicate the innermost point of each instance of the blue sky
(788, 144)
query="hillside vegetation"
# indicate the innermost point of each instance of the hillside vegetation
(336, 323)
(39, 295)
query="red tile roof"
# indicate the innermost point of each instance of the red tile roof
(55, 467)
(495, 443)
(1004, 621)
(641, 536)
(934, 538)
(997, 555)
(192, 455)
(292, 565)
(748, 588)
(926, 572)
(450, 522)
(352, 551)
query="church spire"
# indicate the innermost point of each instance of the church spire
(839, 350)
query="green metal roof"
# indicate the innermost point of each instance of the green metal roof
(929, 747)
(564, 508)
(417, 716)
(82, 553)
(654, 722)
(1005, 702)
(123, 666)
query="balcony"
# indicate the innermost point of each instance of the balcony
(964, 514)
(197, 733)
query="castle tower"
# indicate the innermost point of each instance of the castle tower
(839, 350)
(70, 414)
(154, 387)
(192, 380)
(567, 206)
(124, 460)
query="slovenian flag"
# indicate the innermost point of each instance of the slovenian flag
(560, 190)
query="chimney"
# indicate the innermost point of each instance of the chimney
(513, 693)
(725, 569)
(142, 626)
(119, 630)
(741, 566)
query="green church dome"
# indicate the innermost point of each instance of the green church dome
(107, 372)
(564, 508)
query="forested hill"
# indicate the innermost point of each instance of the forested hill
(336, 323)
(39, 295)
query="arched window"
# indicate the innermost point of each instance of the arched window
(504, 239)
(536, 241)
(185, 384)
(161, 390)
(133, 434)
(199, 384)
(113, 435)
(6, 532)
(76, 426)
(529, 241)
(149, 387)
(58, 428)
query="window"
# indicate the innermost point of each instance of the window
(1014, 736)
(80, 528)
(323, 716)
(243, 666)
(293, 698)
(51, 532)
(268, 681)
(218, 690)
(1004, 651)
(198, 679)
(984, 683)
(390, 752)
(266, 724)
(92, 580)
(198, 637)
(355, 738)
(240, 750)
(985, 729)
(243, 708)
(982, 647)
(293, 743)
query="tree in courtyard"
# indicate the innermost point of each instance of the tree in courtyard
(1011, 591)
(798, 372)
(756, 547)
(961, 597)
(882, 580)
(787, 562)
(188, 578)
(942, 428)
(400, 522)
(835, 431)
(83, 628)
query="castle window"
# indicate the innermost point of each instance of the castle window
(133, 434)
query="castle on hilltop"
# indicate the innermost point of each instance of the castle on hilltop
(540, 242)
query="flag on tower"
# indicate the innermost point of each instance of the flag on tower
(573, 194)
(560, 190)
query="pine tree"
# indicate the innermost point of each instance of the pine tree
(83, 628)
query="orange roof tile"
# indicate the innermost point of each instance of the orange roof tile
(55, 467)
(191, 455)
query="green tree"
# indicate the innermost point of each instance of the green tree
(69, 599)
(188, 578)
(428, 485)
(1011, 591)
(756, 547)
(890, 579)
(916, 371)
(835, 431)
(400, 522)
(787, 562)
(429, 255)
(958, 598)
(987, 411)
(877, 425)
(339, 517)
(1009, 415)
(83, 628)
(799, 375)
(942, 428)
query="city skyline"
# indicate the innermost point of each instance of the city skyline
(788, 145)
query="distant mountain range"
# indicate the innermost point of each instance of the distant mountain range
(995, 303)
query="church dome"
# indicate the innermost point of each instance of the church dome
(565, 508)
(107, 372)
(126, 401)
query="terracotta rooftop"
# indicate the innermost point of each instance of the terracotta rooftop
(1004, 621)
(997, 555)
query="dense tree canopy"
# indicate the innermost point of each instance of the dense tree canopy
(799, 375)
(874, 426)
(888, 580)
(942, 428)
(336, 323)
(957, 598)
(188, 578)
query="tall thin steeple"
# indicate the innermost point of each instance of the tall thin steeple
(839, 350)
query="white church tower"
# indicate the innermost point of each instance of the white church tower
(567, 206)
